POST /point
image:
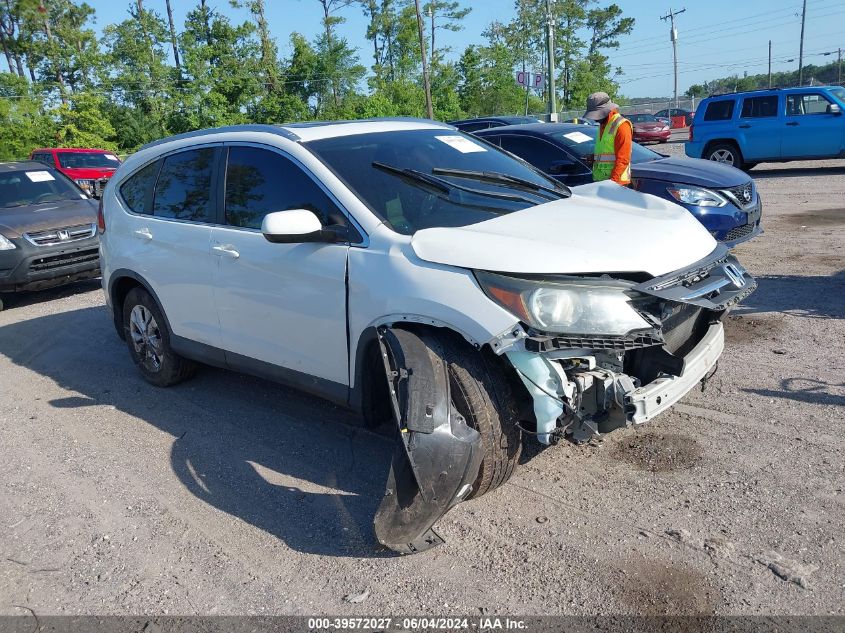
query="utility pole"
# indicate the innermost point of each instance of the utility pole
(550, 51)
(839, 65)
(431, 15)
(801, 47)
(770, 63)
(674, 36)
(426, 81)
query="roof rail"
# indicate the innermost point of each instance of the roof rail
(248, 127)
(740, 92)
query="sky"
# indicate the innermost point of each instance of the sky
(716, 38)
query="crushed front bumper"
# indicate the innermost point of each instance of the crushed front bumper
(642, 404)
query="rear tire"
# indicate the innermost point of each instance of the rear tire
(725, 153)
(482, 395)
(148, 340)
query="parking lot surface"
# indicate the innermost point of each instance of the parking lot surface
(231, 495)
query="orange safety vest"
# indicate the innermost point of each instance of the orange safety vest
(604, 153)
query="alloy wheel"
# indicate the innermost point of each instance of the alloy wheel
(146, 337)
(723, 156)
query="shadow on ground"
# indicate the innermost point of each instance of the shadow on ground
(796, 172)
(808, 296)
(24, 299)
(294, 466)
(808, 390)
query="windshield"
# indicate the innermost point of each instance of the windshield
(419, 179)
(839, 93)
(88, 160)
(642, 118)
(583, 141)
(23, 188)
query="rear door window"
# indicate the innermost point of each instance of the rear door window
(137, 190)
(184, 187)
(719, 110)
(260, 181)
(759, 107)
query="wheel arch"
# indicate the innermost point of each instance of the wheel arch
(121, 282)
(720, 141)
(363, 388)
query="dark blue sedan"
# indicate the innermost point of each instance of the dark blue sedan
(724, 199)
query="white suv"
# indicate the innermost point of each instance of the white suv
(402, 268)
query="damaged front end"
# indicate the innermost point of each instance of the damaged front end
(439, 456)
(598, 353)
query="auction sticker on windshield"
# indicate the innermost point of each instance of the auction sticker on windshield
(578, 137)
(463, 145)
(39, 176)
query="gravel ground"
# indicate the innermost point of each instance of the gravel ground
(231, 495)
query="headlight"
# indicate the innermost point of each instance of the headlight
(697, 196)
(5, 244)
(577, 306)
(664, 128)
(86, 185)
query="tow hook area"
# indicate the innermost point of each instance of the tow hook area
(438, 456)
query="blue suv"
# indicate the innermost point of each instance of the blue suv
(744, 129)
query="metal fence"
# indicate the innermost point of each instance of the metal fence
(647, 108)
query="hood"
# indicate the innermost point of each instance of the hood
(690, 171)
(89, 173)
(50, 215)
(602, 228)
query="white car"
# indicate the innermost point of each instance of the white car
(402, 268)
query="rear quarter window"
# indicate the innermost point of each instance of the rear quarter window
(719, 110)
(137, 190)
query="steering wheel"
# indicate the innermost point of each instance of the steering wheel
(43, 195)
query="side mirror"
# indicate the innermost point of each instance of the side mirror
(834, 108)
(564, 166)
(296, 226)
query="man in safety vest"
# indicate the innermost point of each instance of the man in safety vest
(612, 154)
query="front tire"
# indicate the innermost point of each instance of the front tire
(725, 153)
(482, 395)
(148, 340)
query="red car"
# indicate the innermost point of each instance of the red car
(88, 168)
(648, 128)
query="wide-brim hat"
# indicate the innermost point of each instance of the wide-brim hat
(599, 106)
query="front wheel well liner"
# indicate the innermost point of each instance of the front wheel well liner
(370, 395)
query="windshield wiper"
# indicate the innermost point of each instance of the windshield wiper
(495, 177)
(416, 177)
(421, 178)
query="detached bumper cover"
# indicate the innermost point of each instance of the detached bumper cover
(642, 404)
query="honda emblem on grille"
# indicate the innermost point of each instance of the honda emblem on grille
(64, 235)
(733, 273)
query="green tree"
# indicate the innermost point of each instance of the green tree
(23, 123)
(81, 123)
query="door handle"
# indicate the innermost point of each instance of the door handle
(226, 249)
(144, 234)
(745, 126)
(793, 123)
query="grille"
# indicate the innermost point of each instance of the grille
(66, 259)
(743, 195)
(738, 232)
(619, 344)
(61, 236)
(681, 330)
